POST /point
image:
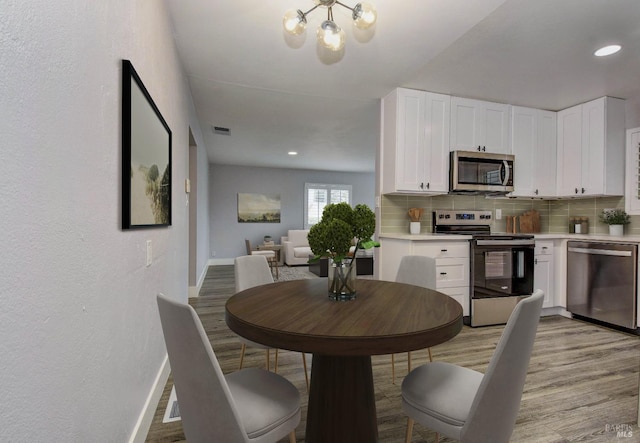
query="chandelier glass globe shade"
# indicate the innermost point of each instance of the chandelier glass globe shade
(331, 36)
(364, 15)
(294, 22)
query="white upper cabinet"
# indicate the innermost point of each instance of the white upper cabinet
(415, 142)
(533, 142)
(590, 149)
(479, 126)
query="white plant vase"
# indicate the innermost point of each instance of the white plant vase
(414, 227)
(616, 230)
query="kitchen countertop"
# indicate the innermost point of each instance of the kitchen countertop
(426, 237)
(557, 236)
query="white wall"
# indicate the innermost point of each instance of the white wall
(632, 112)
(227, 235)
(203, 229)
(80, 337)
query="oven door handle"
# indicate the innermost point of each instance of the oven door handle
(594, 251)
(505, 242)
(505, 168)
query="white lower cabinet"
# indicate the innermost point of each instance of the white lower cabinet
(459, 294)
(543, 277)
(452, 264)
(452, 272)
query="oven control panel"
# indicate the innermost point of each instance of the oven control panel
(445, 217)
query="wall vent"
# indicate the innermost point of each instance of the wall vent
(220, 130)
(172, 413)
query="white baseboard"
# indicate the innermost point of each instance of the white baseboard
(556, 310)
(220, 261)
(141, 429)
(195, 290)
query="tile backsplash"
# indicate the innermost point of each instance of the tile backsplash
(554, 214)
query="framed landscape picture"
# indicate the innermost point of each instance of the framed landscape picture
(258, 208)
(146, 157)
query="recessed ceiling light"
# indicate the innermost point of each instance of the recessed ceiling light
(607, 50)
(292, 153)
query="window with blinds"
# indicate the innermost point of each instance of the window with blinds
(636, 166)
(317, 196)
(632, 192)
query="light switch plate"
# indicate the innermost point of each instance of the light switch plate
(498, 214)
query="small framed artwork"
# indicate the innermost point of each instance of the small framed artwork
(258, 208)
(146, 157)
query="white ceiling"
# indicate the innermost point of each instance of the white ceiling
(277, 93)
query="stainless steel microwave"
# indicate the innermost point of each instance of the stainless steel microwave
(472, 171)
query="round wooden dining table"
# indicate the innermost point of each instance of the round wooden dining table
(385, 318)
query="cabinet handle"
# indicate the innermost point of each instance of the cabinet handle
(576, 190)
(443, 250)
(427, 185)
(583, 190)
(479, 148)
(484, 148)
(443, 273)
(535, 261)
(536, 192)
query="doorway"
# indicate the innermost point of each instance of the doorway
(192, 202)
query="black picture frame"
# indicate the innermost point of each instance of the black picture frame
(146, 157)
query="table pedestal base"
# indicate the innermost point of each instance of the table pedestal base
(342, 405)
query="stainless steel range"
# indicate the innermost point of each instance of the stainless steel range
(502, 265)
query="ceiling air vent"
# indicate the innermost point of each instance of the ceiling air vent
(220, 130)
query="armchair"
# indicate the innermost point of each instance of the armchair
(296, 247)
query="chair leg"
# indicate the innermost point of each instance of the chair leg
(244, 347)
(408, 362)
(437, 437)
(407, 438)
(430, 358)
(267, 363)
(393, 369)
(276, 365)
(292, 437)
(306, 375)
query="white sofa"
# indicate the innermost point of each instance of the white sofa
(296, 247)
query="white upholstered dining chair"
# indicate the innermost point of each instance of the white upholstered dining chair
(270, 255)
(415, 270)
(251, 271)
(248, 406)
(466, 405)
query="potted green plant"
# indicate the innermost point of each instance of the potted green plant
(616, 219)
(340, 228)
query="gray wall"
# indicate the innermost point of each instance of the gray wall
(227, 235)
(81, 341)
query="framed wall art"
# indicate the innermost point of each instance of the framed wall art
(258, 208)
(146, 157)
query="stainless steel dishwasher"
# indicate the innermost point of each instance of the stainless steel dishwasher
(601, 281)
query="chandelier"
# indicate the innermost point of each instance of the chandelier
(329, 34)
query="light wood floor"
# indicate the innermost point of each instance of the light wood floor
(582, 380)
